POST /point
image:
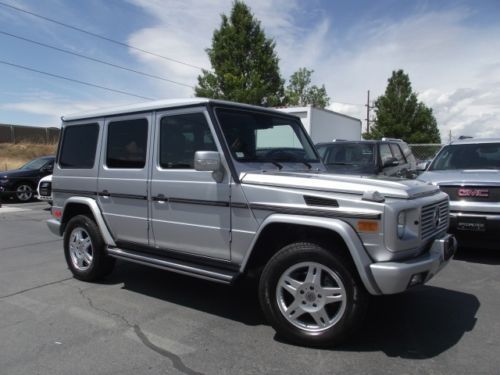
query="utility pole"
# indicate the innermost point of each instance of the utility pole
(368, 109)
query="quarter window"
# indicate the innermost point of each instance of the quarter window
(180, 137)
(79, 146)
(127, 144)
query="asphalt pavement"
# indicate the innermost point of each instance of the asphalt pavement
(147, 321)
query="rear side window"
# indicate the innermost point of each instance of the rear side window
(180, 137)
(127, 144)
(78, 146)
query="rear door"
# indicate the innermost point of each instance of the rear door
(190, 211)
(122, 184)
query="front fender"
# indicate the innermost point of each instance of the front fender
(351, 239)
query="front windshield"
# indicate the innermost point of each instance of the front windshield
(356, 155)
(34, 165)
(260, 137)
(468, 156)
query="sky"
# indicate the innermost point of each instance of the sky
(450, 49)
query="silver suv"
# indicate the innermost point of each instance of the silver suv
(468, 171)
(219, 190)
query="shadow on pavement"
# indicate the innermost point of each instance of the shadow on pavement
(418, 324)
(483, 256)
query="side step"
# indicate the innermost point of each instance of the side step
(170, 264)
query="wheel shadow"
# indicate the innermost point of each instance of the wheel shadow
(421, 323)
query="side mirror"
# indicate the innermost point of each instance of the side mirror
(391, 162)
(209, 161)
(423, 165)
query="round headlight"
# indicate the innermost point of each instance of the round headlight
(401, 224)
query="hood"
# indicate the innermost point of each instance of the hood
(389, 187)
(461, 177)
(18, 173)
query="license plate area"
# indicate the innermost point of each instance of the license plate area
(471, 224)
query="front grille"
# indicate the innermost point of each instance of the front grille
(46, 189)
(430, 225)
(489, 193)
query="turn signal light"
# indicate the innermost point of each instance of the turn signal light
(367, 226)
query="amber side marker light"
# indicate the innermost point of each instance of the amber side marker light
(367, 226)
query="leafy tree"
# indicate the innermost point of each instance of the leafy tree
(399, 114)
(300, 92)
(245, 65)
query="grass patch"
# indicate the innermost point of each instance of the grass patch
(13, 156)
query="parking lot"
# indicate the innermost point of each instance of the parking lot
(143, 320)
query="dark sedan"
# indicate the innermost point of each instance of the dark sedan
(21, 183)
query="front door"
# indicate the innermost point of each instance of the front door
(190, 211)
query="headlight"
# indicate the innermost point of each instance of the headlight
(4, 181)
(401, 224)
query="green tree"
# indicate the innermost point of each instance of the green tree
(245, 65)
(399, 114)
(300, 92)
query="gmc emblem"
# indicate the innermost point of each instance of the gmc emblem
(481, 193)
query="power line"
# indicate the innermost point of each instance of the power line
(93, 59)
(99, 36)
(74, 80)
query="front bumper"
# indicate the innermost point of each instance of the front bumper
(54, 226)
(396, 277)
(476, 229)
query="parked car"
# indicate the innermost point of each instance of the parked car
(219, 190)
(21, 183)
(469, 172)
(44, 189)
(387, 157)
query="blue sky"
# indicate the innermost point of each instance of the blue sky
(450, 49)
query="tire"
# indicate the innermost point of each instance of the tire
(23, 192)
(85, 250)
(294, 296)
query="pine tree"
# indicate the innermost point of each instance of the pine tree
(399, 114)
(245, 65)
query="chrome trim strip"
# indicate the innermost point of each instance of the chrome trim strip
(313, 212)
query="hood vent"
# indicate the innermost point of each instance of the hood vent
(318, 201)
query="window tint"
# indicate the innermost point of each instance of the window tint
(180, 137)
(396, 151)
(78, 146)
(127, 143)
(385, 153)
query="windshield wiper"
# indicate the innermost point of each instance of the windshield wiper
(280, 167)
(309, 166)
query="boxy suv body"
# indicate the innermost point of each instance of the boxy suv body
(217, 190)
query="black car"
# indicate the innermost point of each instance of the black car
(21, 183)
(388, 157)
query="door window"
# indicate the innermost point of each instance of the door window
(385, 153)
(396, 151)
(127, 144)
(180, 137)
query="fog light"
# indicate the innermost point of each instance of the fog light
(417, 279)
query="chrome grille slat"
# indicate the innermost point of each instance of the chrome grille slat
(428, 228)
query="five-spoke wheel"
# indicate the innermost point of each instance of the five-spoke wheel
(24, 192)
(312, 295)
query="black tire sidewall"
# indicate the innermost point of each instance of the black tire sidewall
(100, 260)
(310, 252)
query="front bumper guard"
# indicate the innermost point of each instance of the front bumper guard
(395, 277)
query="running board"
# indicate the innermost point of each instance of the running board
(175, 265)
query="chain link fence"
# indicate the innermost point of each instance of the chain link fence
(425, 151)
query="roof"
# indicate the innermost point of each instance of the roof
(155, 105)
(475, 140)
